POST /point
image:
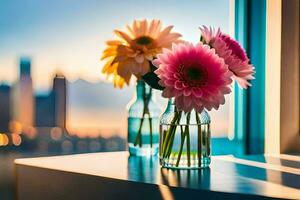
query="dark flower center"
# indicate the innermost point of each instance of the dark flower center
(144, 40)
(193, 76)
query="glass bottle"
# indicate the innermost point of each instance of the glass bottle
(143, 122)
(184, 138)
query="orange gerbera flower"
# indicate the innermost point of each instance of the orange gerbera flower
(132, 52)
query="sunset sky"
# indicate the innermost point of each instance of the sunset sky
(69, 35)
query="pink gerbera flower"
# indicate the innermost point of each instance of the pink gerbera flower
(232, 53)
(195, 75)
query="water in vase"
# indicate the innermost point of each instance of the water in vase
(185, 149)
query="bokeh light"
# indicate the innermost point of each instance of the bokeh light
(56, 133)
(16, 139)
(3, 139)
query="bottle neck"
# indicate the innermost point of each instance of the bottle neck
(171, 101)
(143, 90)
(171, 105)
(190, 118)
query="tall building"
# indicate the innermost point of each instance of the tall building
(4, 107)
(50, 110)
(60, 100)
(25, 67)
(44, 110)
(22, 96)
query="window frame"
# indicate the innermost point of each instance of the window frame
(249, 105)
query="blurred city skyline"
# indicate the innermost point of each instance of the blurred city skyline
(37, 123)
(65, 105)
(68, 36)
(85, 109)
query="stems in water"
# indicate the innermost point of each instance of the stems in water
(168, 134)
(150, 119)
(146, 99)
(188, 142)
(208, 139)
(138, 139)
(180, 150)
(172, 135)
(185, 154)
(199, 152)
(150, 124)
(182, 134)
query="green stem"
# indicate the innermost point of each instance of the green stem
(138, 139)
(166, 139)
(151, 139)
(208, 139)
(183, 134)
(168, 134)
(146, 99)
(170, 145)
(150, 119)
(188, 142)
(199, 152)
(161, 149)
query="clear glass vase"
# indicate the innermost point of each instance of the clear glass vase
(143, 122)
(184, 139)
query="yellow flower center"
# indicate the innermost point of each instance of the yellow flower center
(144, 40)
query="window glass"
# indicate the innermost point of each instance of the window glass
(58, 80)
(66, 39)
